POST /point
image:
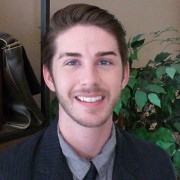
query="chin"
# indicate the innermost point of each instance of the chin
(91, 122)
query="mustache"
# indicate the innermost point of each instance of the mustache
(90, 90)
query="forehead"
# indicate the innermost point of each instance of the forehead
(86, 38)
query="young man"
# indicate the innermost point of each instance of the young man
(86, 64)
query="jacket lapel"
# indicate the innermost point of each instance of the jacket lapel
(125, 164)
(50, 162)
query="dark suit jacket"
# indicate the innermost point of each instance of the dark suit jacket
(40, 158)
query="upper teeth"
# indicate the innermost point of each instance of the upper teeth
(89, 99)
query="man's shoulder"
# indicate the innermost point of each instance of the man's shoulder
(29, 147)
(150, 158)
(25, 160)
(22, 152)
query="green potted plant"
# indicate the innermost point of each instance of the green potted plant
(150, 103)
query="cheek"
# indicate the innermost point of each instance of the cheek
(116, 87)
(63, 82)
(115, 83)
(115, 79)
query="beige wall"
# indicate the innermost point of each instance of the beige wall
(136, 15)
(21, 18)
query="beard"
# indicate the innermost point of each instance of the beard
(94, 117)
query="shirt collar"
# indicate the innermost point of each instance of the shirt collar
(80, 166)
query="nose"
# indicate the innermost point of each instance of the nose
(89, 76)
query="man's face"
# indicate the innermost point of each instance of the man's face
(86, 75)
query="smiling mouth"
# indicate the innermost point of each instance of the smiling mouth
(89, 99)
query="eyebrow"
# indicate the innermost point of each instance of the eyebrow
(106, 53)
(98, 54)
(70, 54)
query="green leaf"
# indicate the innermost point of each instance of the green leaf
(164, 134)
(154, 99)
(141, 133)
(132, 81)
(171, 72)
(157, 81)
(171, 149)
(125, 95)
(137, 37)
(137, 44)
(163, 138)
(164, 144)
(177, 67)
(167, 146)
(142, 82)
(176, 159)
(162, 56)
(171, 92)
(155, 88)
(141, 99)
(118, 106)
(160, 71)
(134, 73)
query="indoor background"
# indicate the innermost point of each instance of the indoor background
(21, 18)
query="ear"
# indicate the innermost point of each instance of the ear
(125, 76)
(48, 79)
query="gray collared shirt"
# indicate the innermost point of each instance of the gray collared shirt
(103, 162)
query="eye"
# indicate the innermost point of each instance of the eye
(104, 62)
(72, 63)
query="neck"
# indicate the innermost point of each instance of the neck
(87, 142)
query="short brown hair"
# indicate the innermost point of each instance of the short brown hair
(82, 14)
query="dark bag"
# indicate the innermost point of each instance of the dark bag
(19, 84)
